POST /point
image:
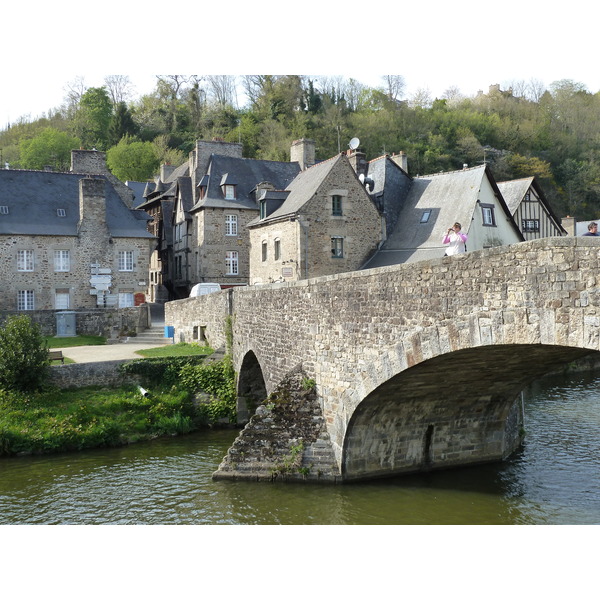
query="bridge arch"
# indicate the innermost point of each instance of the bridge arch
(251, 388)
(458, 408)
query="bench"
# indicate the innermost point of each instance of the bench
(56, 355)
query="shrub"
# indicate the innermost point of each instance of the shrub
(23, 355)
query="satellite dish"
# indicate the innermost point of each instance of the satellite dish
(354, 143)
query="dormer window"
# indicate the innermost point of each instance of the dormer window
(203, 186)
(61, 212)
(3, 210)
(263, 209)
(228, 187)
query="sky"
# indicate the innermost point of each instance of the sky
(433, 46)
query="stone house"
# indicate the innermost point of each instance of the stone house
(323, 223)
(71, 240)
(214, 197)
(430, 204)
(530, 209)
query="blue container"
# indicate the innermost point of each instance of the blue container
(169, 331)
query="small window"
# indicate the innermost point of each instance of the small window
(24, 260)
(125, 299)
(231, 263)
(126, 260)
(62, 261)
(277, 249)
(527, 197)
(530, 225)
(231, 225)
(264, 251)
(487, 215)
(25, 300)
(62, 299)
(3, 210)
(337, 247)
(336, 206)
(229, 192)
(263, 209)
(425, 216)
(61, 212)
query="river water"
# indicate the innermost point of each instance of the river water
(554, 479)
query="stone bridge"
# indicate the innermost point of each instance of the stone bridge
(415, 367)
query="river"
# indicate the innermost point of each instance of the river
(553, 479)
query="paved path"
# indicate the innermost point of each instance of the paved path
(83, 354)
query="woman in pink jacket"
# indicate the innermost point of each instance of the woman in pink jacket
(456, 240)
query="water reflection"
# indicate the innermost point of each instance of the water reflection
(555, 478)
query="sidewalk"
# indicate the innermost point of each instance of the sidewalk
(86, 354)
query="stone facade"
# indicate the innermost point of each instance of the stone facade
(417, 366)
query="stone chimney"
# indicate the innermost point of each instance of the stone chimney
(401, 160)
(358, 161)
(92, 228)
(166, 171)
(200, 156)
(569, 225)
(303, 152)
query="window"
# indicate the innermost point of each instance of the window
(425, 216)
(277, 249)
(62, 261)
(264, 251)
(24, 260)
(487, 214)
(61, 299)
(3, 210)
(231, 263)
(337, 247)
(61, 212)
(229, 192)
(263, 209)
(25, 300)
(527, 197)
(530, 224)
(231, 225)
(126, 260)
(336, 206)
(125, 299)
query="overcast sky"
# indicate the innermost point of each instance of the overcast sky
(434, 45)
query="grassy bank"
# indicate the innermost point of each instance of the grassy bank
(190, 396)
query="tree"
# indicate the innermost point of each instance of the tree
(23, 355)
(132, 160)
(93, 118)
(394, 86)
(49, 148)
(121, 124)
(118, 87)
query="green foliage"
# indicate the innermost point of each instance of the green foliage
(23, 355)
(92, 120)
(132, 160)
(160, 371)
(49, 147)
(180, 349)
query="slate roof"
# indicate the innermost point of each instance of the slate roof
(248, 173)
(33, 198)
(450, 197)
(514, 191)
(301, 190)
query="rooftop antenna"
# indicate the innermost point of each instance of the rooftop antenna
(354, 142)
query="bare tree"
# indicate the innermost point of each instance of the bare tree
(222, 89)
(421, 98)
(254, 86)
(394, 86)
(119, 88)
(535, 90)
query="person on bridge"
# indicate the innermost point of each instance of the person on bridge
(592, 229)
(456, 240)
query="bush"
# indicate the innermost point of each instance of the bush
(23, 355)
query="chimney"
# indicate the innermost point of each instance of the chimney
(90, 162)
(199, 158)
(569, 225)
(303, 152)
(358, 161)
(166, 171)
(401, 160)
(92, 201)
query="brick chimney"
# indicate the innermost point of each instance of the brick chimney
(303, 152)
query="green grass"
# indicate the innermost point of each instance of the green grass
(67, 420)
(181, 349)
(79, 340)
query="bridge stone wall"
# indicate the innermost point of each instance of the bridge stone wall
(486, 323)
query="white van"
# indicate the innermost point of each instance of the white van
(204, 288)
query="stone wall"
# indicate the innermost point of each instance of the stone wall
(104, 374)
(453, 340)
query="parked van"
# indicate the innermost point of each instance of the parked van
(204, 288)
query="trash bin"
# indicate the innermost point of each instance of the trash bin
(66, 324)
(169, 331)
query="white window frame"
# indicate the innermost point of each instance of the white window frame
(125, 258)
(487, 215)
(25, 261)
(59, 300)
(25, 300)
(229, 191)
(337, 246)
(231, 224)
(231, 262)
(126, 299)
(62, 261)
